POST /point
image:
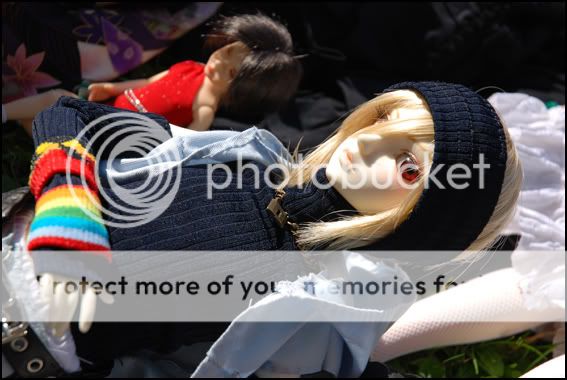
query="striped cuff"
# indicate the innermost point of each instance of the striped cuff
(66, 143)
(57, 161)
(68, 217)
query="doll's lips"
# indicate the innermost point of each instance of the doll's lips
(348, 156)
(346, 159)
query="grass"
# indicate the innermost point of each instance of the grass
(17, 148)
(502, 358)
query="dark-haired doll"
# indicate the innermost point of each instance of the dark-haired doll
(252, 71)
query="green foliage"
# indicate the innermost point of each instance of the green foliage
(509, 357)
(17, 149)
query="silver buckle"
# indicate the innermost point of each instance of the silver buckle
(276, 209)
(278, 212)
(13, 330)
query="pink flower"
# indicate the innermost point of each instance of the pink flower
(25, 74)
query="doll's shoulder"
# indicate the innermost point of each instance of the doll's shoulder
(187, 67)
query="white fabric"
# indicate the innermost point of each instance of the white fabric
(325, 342)
(188, 148)
(19, 277)
(543, 278)
(539, 136)
(552, 369)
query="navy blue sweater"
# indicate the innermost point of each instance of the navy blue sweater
(234, 219)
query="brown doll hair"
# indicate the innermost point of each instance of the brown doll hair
(270, 72)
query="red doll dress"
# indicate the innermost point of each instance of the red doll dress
(171, 96)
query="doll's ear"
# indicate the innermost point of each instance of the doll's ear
(394, 114)
(214, 67)
(404, 113)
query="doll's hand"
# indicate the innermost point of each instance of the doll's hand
(99, 92)
(63, 303)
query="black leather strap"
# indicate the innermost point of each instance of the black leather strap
(29, 358)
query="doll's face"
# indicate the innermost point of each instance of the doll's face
(375, 173)
(224, 63)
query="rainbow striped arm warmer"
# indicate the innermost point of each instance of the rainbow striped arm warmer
(67, 215)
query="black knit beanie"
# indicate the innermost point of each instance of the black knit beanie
(466, 127)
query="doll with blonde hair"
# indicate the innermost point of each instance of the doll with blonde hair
(405, 115)
(423, 166)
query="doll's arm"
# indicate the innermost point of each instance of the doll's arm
(464, 314)
(25, 109)
(67, 216)
(99, 92)
(67, 213)
(202, 118)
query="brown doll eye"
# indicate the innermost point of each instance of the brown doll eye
(409, 167)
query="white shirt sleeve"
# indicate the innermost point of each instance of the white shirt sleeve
(180, 131)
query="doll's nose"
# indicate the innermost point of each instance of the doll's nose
(369, 144)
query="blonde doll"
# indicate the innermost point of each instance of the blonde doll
(422, 166)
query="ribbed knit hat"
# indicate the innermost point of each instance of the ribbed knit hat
(466, 128)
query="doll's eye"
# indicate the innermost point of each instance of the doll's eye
(409, 167)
